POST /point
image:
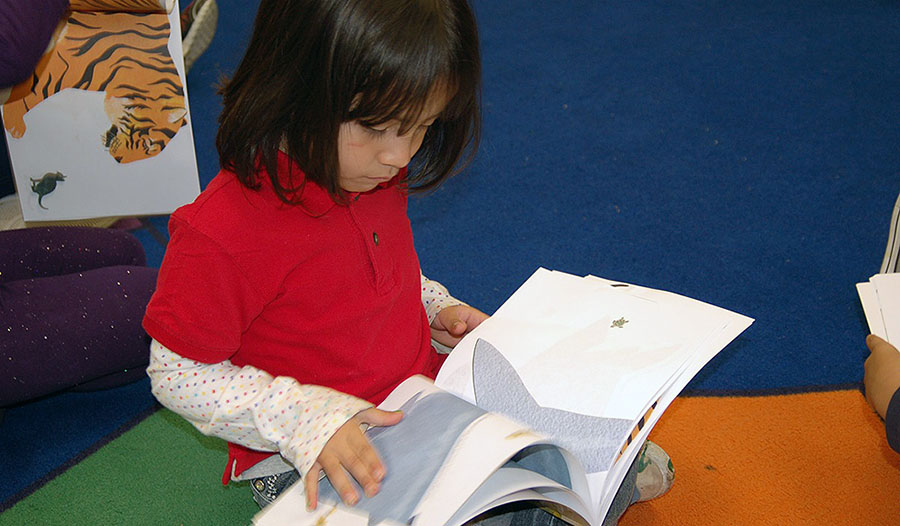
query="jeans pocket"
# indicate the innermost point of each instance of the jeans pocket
(266, 489)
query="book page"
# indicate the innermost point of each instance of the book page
(587, 346)
(593, 440)
(484, 446)
(868, 297)
(511, 484)
(599, 360)
(106, 129)
(435, 457)
(887, 290)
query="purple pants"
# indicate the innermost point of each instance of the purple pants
(71, 304)
(25, 30)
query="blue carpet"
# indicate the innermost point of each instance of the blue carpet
(741, 153)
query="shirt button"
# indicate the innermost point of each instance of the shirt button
(375, 238)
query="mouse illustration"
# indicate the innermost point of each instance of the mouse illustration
(45, 185)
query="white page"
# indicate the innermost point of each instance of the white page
(477, 454)
(614, 478)
(558, 333)
(291, 511)
(887, 288)
(868, 297)
(510, 484)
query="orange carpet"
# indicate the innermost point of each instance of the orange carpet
(814, 458)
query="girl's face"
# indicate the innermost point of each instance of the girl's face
(369, 156)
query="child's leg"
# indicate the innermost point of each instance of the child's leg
(266, 489)
(53, 251)
(64, 331)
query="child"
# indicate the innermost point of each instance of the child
(882, 367)
(71, 301)
(290, 299)
(882, 383)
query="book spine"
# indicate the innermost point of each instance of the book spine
(134, 6)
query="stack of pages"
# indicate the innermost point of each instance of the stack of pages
(547, 402)
(880, 298)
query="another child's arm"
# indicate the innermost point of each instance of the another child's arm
(248, 406)
(882, 381)
(450, 318)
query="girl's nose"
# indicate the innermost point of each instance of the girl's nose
(400, 150)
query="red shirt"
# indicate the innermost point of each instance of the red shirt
(327, 294)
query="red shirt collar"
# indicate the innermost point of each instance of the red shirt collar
(313, 199)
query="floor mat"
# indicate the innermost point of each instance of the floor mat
(816, 458)
(160, 472)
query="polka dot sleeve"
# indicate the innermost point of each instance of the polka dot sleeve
(250, 407)
(435, 297)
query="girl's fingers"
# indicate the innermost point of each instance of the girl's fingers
(362, 462)
(380, 418)
(311, 483)
(363, 473)
(350, 454)
(339, 480)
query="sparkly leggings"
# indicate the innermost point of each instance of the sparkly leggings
(71, 304)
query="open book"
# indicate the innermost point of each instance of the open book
(547, 402)
(102, 127)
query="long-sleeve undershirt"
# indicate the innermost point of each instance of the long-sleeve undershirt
(248, 406)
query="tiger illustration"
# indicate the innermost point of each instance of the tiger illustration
(131, 64)
(120, 5)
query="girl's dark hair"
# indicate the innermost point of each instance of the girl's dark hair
(314, 64)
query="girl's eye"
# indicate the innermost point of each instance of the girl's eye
(374, 131)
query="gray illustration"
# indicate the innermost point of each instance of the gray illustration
(498, 388)
(45, 185)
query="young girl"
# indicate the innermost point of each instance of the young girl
(290, 300)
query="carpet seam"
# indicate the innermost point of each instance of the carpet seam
(83, 454)
(776, 391)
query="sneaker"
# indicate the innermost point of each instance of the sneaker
(655, 473)
(198, 26)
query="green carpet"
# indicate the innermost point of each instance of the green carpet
(160, 472)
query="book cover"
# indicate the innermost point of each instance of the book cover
(102, 128)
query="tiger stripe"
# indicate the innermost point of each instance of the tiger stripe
(124, 55)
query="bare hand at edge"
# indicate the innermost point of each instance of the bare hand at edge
(882, 376)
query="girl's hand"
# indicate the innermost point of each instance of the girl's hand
(882, 377)
(349, 451)
(452, 323)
